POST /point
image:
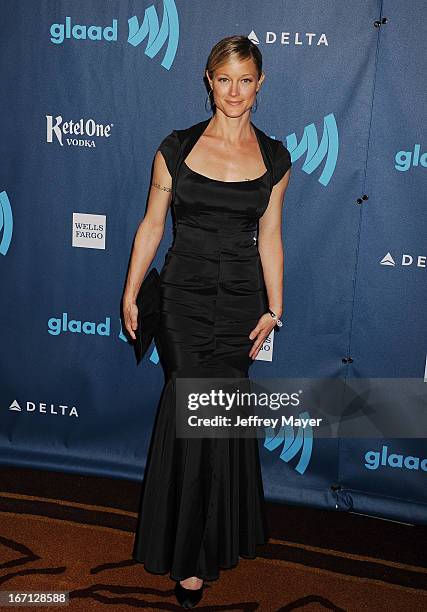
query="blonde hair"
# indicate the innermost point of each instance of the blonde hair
(238, 45)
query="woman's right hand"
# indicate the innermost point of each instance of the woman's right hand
(147, 239)
(130, 313)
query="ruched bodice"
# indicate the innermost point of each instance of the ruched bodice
(213, 269)
(218, 216)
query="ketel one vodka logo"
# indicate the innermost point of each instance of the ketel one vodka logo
(150, 28)
(79, 133)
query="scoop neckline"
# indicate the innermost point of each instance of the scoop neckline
(227, 182)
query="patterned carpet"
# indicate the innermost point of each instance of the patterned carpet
(63, 542)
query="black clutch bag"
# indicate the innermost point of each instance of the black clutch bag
(148, 303)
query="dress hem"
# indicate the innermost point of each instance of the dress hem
(209, 578)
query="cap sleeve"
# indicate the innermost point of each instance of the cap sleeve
(169, 148)
(282, 162)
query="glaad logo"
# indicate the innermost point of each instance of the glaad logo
(59, 32)
(292, 444)
(297, 38)
(314, 152)
(6, 223)
(157, 35)
(375, 459)
(58, 410)
(169, 30)
(56, 326)
(407, 260)
(85, 129)
(405, 159)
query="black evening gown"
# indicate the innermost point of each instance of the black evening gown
(203, 501)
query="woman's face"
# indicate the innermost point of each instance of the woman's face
(235, 84)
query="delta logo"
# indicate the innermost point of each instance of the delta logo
(418, 261)
(308, 39)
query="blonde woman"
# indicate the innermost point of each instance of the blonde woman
(221, 295)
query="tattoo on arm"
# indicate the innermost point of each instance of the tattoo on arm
(160, 187)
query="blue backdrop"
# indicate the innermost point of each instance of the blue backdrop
(88, 90)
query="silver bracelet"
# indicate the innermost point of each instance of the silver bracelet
(276, 318)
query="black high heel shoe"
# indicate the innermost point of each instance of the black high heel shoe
(188, 598)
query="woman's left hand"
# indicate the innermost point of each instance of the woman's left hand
(260, 332)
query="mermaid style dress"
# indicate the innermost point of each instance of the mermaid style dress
(203, 501)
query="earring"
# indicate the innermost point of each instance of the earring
(256, 104)
(211, 101)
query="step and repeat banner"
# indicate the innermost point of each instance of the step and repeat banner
(88, 90)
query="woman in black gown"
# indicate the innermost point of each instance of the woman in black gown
(203, 501)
